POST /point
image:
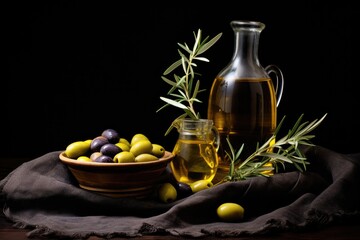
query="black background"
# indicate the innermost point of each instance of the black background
(74, 68)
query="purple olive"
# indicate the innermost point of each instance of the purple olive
(110, 149)
(183, 189)
(111, 134)
(97, 143)
(104, 159)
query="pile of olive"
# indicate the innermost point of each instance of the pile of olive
(109, 147)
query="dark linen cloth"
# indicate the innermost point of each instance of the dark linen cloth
(43, 195)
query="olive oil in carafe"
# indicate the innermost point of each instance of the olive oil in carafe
(243, 110)
(203, 163)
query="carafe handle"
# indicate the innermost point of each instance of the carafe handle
(279, 83)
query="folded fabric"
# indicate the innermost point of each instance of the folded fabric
(43, 195)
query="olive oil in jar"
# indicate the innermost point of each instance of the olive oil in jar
(194, 160)
(195, 151)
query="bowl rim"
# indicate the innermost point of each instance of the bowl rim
(167, 157)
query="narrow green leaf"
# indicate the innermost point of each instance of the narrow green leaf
(168, 81)
(201, 59)
(209, 44)
(197, 40)
(162, 107)
(173, 103)
(172, 67)
(196, 89)
(185, 47)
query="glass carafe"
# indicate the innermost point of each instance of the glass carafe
(195, 150)
(243, 99)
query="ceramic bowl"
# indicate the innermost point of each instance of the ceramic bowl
(119, 179)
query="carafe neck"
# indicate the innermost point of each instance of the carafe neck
(247, 36)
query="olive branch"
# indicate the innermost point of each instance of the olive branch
(187, 87)
(266, 158)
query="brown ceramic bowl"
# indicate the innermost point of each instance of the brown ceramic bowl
(119, 179)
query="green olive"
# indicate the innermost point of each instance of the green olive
(200, 185)
(145, 157)
(230, 212)
(84, 159)
(137, 137)
(141, 146)
(124, 157)
(88, 141)
(77, 149)
(123, 146)
(125, 141)
(167, 193)
(158, 150)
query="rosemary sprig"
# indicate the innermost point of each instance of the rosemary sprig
(187, 89)
(266, 158)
